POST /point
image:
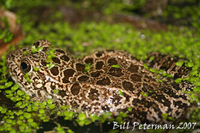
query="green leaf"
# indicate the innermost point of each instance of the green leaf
(18, 104)
(8, 91)
(180, 63)
(20, 93)
(25, 53)
(70, 131)
(94, 117)
(29, 109)
(145, 66)
(50, 65)
(19, 112)
(129, 109)
(19, 122)
(3, 80)
(35, 108)
(56, 91)
(123, 114)
(36, 69)
(41, 111)
(152, 70)
(30, 120)
(8, 84)
(120, 92)
(116, 66)
(151, 58)
(40, 49)
(81, 116)
(87, 67)
(165, 116)
(33, 49)
(49, 101)
(15, 87)
(8, 120)
(52, 106)
(2, 87)
(190, 64)
(196, 89)
(144, 94)
(119, 119)
(27, 115)
(21, 117)
(178, 80)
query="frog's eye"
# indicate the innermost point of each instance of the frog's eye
(25, 66)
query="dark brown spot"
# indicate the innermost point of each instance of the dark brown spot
(106, 108)
(96, 74)
(12, 55)
(99, 54)
(149, 77)
(146, 103)
(43, 62)
(93, 95)
(65, 58)
(67, 74)
(99, 64)
(138, 85)
(24, 49)
(180, 104)
(134, 101)
(182, 71)
(127, 97)
(54, 70)
(75, 89)
(56, 60)
(104, 81)
(116, 99)
(73, 104)
(169, 92)
(128, 86)
(62, 93)
(133, 68)
(89, 60)
(110, 51)
(146, 87)
(36, 44)
(45, 49)
(177, 113)
(112, 61)
(115, 72)
(39, 93)
(166, 64)
(80, 67)
(136, 78)
(133, 58)
(59, 51)
(84, 107)
(83, 78)
(53, 87)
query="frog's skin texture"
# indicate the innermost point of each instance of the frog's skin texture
(114, 81)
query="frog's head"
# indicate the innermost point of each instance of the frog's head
(26, 67)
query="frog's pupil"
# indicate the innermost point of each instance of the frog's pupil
(24, 65)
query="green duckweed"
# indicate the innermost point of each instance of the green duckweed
(87, 67)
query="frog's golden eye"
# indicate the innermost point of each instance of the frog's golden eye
(25, 66)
